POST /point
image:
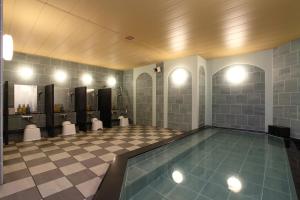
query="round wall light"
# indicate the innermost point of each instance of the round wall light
(111, 81)
(177, 176)
(179, 76)
(60, 76)
(8, 47)
(234, 184)
(25, 73)
(86, 79)
(236, 74)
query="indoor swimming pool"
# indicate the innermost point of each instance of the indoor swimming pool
(215, 164)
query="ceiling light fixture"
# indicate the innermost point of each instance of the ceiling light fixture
(8, 47)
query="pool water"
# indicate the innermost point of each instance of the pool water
(214, 164)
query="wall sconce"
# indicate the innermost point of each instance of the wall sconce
(179, 76)
(25, 73)
(8, 47)
(111, 81)
(236, 74)
(60, 76)
(86, 79)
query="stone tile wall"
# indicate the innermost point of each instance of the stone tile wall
(44, 67)
(128, 92)
(201, 97)
(180, 105)
(160, 98)
(239, 106)
(286, 86)
(144, 100)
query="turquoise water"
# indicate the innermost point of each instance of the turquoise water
(214, 164)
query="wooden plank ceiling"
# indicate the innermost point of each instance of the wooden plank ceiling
(94, 31)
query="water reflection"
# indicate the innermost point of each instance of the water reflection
(177, 176)
(234, 184)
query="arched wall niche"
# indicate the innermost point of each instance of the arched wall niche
(144, 99)
(240, 105)
(138, 75)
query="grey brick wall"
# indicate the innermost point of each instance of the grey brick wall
(128, 92)
(144, 100)
(286, 86)
(180, 105)
(201, 97)
(160, 98)
(239, 106)
(44, 67)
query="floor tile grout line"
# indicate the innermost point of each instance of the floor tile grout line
(32, 175)
(51, 142)
(266, 162)
(214, 171)
(165, 196)
(244, 161)
(57, 167)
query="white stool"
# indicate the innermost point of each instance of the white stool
(68, 128)
(96, 124)
(124, 122)
(31, 133)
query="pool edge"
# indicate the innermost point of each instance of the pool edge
(111, 185)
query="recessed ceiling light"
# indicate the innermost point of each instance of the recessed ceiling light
(129, 37)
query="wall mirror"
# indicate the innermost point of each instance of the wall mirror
(25, 95)
(61, 99)
(91, 101)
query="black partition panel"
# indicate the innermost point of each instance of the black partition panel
(104, 106)
(80, 108)
(5, 112)
(49, 109)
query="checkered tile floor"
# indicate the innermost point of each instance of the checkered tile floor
(69, 167)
